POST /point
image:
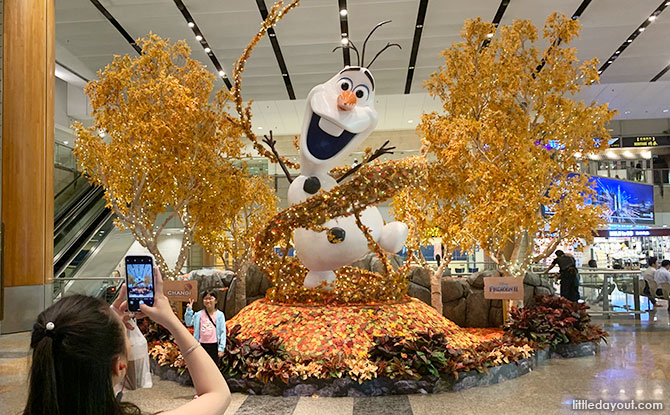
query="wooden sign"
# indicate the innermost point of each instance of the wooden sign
(503, 288)
(180, 290)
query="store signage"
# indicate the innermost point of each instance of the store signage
(613, 234)
(180, 290)
(641, 141)
(503, 288)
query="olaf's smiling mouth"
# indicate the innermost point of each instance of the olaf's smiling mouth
(325, 139)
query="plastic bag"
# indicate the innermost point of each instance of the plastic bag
(139, 371)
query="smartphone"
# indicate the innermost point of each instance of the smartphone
(140, 281)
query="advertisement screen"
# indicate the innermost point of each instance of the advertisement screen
(625, 202)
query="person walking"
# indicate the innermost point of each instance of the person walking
(567, 275)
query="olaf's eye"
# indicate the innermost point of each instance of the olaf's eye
(362, 92)
(345, 84)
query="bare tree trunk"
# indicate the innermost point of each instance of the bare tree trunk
(436, 287)
(241, 286)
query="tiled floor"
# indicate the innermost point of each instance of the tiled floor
(635, 364)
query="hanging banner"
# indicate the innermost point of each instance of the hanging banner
(503, 288)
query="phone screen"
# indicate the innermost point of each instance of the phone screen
(139, 281)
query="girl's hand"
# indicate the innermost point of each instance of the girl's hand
(190, 303)
(161, 312)
(220, 354)
(120, 307)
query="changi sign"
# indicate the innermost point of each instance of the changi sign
(180, 290)
(641, 141)
(503, 288)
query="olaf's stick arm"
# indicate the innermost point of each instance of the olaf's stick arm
(378, 153)
(270, 141)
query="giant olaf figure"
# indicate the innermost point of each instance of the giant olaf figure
(340, 114)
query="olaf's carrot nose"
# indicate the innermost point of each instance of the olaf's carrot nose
(346, 101)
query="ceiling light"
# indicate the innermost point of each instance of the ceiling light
(410, 121)
(646, 154)
(617, 52)
(641, 29)
(628, 154)
(667, 4)
(169, 234)
(626, 112)
(198, 38)
(629, 40)
(600, 72)
(609, 61)
(207, 50)
(221, 73)
(344, 41)
(260, 128)
(652, 18)
(284, 74)
(663, 111)
(272, 35)
(343, 12)
(67, 142)
(191, 24)
(610, 154)
(490, 35)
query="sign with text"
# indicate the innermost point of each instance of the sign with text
(180, 290)
(641, 141)
(503, 288)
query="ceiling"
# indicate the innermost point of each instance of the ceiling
(87, 41)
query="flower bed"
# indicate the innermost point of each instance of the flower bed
(397, 348)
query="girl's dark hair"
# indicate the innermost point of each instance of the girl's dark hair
(209, 292)
(71, 370)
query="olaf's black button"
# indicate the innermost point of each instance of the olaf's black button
(336, 235)
(312, 185)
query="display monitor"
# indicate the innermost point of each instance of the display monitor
(624, 201)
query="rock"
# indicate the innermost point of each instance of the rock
(543, 291)
(208, 279)
(528, 293)
(477, 309)
(305, 389)
(272, 389)
(265, 285)
(452, 289)
(495, 317)
(420, 292)
(419, 275)
(532, 279)
(455, 311)
(406, 387)
(236, 385)
(396, 261)
(363, 262)
(254, 278)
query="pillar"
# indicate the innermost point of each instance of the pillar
(27, 160)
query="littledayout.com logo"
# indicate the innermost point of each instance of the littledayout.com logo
(613, 406)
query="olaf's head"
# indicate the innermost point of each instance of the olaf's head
(340, 115)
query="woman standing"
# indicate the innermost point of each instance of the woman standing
(209, 325)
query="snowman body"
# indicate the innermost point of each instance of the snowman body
(339, 115)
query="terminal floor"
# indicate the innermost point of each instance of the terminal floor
(634, 365)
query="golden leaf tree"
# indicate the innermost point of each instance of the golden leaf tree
(168, 147)
(230, 225)
(509, 138)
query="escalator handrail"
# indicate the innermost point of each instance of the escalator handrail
(91, 196)
(75, 245)
(68, 185)
(81, 231)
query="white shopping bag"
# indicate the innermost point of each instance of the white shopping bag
(139, 371)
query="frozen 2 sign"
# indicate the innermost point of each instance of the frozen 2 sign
(340, 115)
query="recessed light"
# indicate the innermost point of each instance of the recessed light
(191, 24)
(600, 71)
(221, 73)
(67, 142)
(626, 112)
(207, 50)
(629, 40)
(343, 12)
(419, 26)
(169, 234)
(609, 61)
(410, 121)
(667, 4)
(344, 40)
(490, 35)
(198, 38)
(652, 18)
(641, 29)
(617, 52)
(284, 74)
(663, 111)
(260, 128)
(411, 67)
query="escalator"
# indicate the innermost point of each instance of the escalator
(81, 223)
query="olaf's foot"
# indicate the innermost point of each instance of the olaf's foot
(393, 236)
(315, 278)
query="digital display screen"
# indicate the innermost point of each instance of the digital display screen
(625, 202)
(140, 284)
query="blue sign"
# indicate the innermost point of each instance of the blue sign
(625, 202)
